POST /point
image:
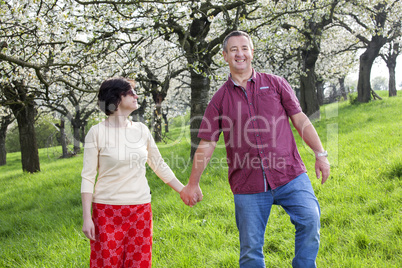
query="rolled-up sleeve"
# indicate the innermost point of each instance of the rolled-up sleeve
(210, 127)
(90, 162)
(288, 98)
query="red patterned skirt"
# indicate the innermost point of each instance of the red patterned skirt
(123, 236)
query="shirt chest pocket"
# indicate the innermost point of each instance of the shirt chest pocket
(269, 102)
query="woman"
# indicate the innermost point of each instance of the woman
(114, 182)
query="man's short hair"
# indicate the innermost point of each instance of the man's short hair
(236, 33)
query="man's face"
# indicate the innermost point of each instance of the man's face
(239, 54)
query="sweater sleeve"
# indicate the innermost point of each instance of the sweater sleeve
(90, 162)
(156, 162)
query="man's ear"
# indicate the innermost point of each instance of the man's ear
(225, 55)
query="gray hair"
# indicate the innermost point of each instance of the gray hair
(236, 33)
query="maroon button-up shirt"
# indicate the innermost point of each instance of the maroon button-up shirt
(261, 150)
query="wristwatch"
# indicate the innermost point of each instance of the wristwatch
(325, 153)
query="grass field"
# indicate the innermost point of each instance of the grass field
(40, 214)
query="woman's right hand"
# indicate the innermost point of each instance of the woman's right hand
(88, 226)
(89, 229)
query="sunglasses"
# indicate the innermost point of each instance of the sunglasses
(131, 92)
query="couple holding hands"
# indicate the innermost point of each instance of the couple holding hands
(265, 167)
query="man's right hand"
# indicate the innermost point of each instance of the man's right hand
(191, 194)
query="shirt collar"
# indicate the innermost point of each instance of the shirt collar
(252, 78)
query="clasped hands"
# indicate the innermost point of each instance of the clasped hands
(191, 194)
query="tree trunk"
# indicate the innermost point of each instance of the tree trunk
(334, 93)
(199, 100)
(366, 63)
(320, 91)
(25, 115)
(138, 115)
(165, 119)
(342, 88)
(157, 124)
(63, 138)
(82, 135)
(76, 134)
(394, 50)
(158, 99)
(23, 107)
(308, 92)
(363, 84)
(308, 95)
(3, 152)
(392, 82)
(4, 123)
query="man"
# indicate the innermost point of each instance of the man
(252, 110)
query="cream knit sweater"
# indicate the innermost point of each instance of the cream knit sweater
(114, 164)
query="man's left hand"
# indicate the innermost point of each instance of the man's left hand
(322, 167)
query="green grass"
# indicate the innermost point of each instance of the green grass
(40, 214)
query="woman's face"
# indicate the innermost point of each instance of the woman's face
(129, 101)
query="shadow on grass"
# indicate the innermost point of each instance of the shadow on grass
(395, 171)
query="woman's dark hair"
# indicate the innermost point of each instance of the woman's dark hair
(110, 92)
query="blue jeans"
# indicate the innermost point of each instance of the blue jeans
(252, 213)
